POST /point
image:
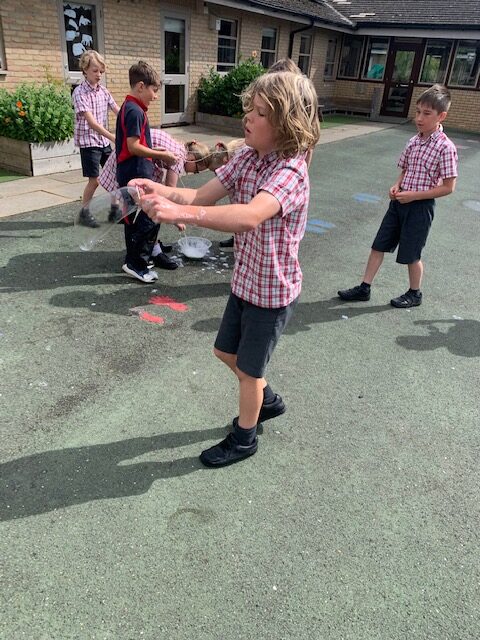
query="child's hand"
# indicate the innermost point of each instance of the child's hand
(167, 157)
(405, 196)
(159, 209)
(144, 185)
(181, 227)
(394, 189)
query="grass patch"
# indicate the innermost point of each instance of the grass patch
(5, 175)
(336, 120)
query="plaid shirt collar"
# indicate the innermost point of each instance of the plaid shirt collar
(433, 136)
(91, 87)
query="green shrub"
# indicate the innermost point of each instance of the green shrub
(220, 94)
(36, 113)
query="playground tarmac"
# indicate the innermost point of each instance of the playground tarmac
(358, 518)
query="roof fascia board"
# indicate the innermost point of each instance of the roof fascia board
(455, 34)
(291, 17)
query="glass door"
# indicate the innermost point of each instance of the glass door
(175, 68)
(400, 76)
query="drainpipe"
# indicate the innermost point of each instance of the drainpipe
(293, 33)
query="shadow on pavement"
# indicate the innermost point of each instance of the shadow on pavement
(56, 479)
(307, 314)
(461, 338)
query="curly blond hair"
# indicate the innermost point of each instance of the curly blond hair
(88, 57)
(292, 109)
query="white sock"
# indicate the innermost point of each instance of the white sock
(157, 249)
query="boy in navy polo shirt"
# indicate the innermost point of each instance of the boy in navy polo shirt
(268, 183)
(135, 160)
(428, 170)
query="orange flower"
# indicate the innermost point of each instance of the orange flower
(19, 104)
(22, 113)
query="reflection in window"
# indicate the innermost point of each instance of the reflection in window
(80, 31)
(466, 64)
(305, 54)
(174, 45)
(330, 58)
(435, 62)
(269, 47)
(350, 57)
(227, 45)
(376, 58)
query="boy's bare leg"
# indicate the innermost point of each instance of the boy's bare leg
(251, 399)
(90, 189)
(374, 263)
(415, 274)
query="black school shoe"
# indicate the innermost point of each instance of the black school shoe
(166, 248)
(162, 261)
(226, 243)
(227, 452)
(355, 294)
(86, 219)
(408, 299)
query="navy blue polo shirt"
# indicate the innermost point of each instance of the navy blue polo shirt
(132, 121)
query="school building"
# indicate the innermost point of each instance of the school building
(363, 56)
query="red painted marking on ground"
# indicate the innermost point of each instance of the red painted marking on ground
(148, 317)
(166, 301)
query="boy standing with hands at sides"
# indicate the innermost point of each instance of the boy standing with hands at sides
(268, 183)
(428, 170)
(91, 102)
(135, 160)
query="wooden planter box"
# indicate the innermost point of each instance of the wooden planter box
(233, 126)
(38, 159)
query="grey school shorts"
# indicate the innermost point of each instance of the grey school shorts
(92, 159)
(405, 226)
(251, 333)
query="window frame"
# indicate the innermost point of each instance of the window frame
(71, 76)
(333, 61)
(432, 41)
(360, 57)
(308, 55)
(365, 57)
(269, 52)
(3, 58)
(470, 87)
(236, 38)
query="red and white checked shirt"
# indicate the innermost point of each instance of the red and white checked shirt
(98, 101)
(427, 161)
(267, 271)
(160, 139)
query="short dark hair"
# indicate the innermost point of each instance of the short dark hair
(437, 97)
(143, 72)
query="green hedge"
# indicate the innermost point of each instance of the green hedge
(37, 113)
(220, 94)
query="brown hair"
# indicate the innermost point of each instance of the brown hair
(143, 72)
(292, 109)
(285, 64)
(222, 152)
(88, 57)
(437, 97)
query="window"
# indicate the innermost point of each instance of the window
(80, 29)
(466, 64)
(376, 58)
(350, 57)
(305, 54)
(435, 62)
(227, 45)
(269, 47)
(330, 59)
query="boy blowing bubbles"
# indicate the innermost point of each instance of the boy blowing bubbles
(269, 187)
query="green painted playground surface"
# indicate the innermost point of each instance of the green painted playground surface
(6, 176)
(358, 517)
